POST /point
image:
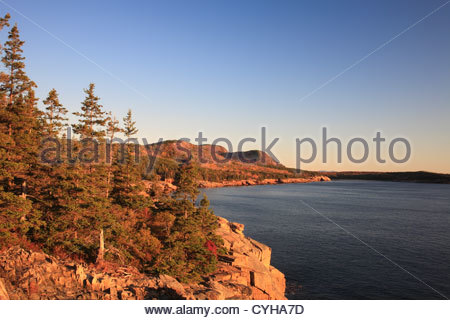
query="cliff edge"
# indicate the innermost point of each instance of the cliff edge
(244, 273)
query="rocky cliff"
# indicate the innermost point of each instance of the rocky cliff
(244, 273)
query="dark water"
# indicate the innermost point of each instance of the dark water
(408, 223)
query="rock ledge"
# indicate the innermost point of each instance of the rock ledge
(245, 273)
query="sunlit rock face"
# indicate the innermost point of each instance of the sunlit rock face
(243, 273)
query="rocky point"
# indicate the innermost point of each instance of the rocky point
(244, 273)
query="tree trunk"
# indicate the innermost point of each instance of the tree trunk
(110, 157)
(108, 181)
(24, 190)
(101, 250)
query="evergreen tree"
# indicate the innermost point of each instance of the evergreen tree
(186, 254)
(19, 136)
(128, 190)
(187, 187)
(54, 116)
(78, 214)
(129, 125)
(62, 206)
(92, 117)
(112, 127)
(18, 115)
(79, 211)
(17, 82)
(206, 221)
(4, 21)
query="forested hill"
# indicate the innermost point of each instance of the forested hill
(215, 163)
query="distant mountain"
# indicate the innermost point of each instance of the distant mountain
(217, 164)
(183, 151)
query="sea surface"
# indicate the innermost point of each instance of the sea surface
(349, 239)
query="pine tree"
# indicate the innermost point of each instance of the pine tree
(92, 117)
(54, 116)
(18, 82)
(112, 127)
(18, 115)
(187, 187)
(19, 132)
(62, 206)
(206, 221)
(4, 21)
(186, 254)
(79, 211)
(128, 190)
(129, 125)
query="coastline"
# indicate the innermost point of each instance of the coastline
(254, 182)
(243, 273)
(169, 187)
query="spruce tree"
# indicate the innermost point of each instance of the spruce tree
(186, 255)
(18, 115)
(20, 133)
(84, 212)
(112, 128)
(128, 189)
(54, 116)
(17, 82)
(187, 187)
(62, 206)
(92, 117)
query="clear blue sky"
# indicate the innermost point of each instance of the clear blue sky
(229, 67)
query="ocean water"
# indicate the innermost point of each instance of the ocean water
(349, 239)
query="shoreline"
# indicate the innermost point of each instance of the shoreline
(168, 186)
(244, 272)
(253, 182)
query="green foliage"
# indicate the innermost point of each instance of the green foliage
(186, 181)
(92, 117)
(185, 254)
(18, 219)
(19, 136)
(64, 207)
(164, 168)
(128, 189)
(54, 116)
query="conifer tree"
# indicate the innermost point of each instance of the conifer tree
(54, 116)
(206, 221)
(92, 117)
(128, 190)
(20, 132)
(18, 82)
(185, 254)
(62, 206)
(19, 114)
(4, 21)
(112, 127)
(187, 187)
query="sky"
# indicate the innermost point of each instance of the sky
(229, 68)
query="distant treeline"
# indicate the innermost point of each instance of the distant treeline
(166, 168)
(412, 176)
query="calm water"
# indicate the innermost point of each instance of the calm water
(408, 223)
